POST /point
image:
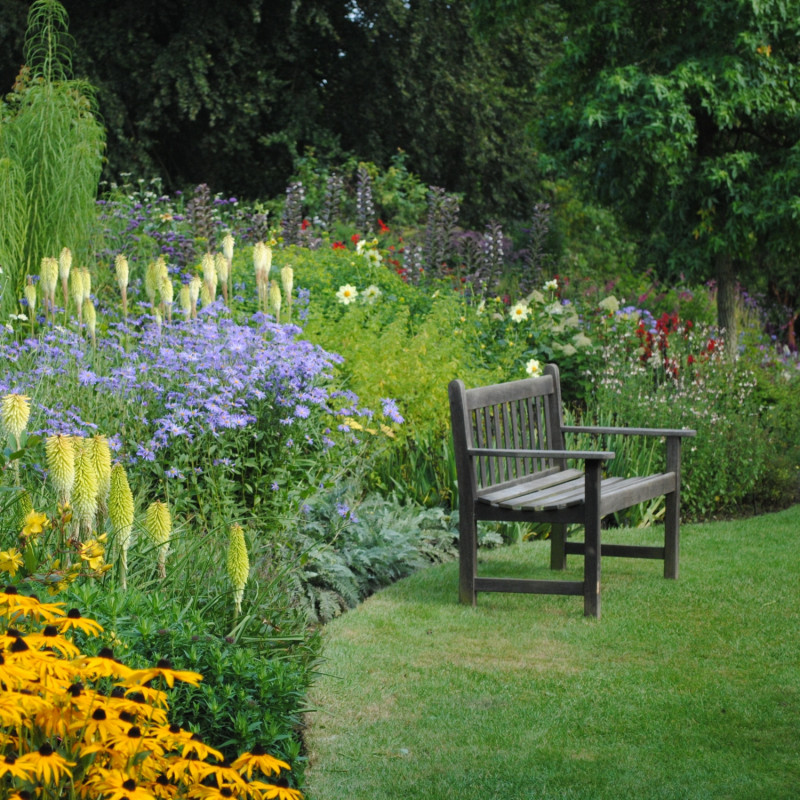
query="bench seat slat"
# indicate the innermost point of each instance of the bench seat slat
(498, 495)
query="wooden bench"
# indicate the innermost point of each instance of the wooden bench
(511, 465)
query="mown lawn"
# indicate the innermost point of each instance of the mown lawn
(687, 689)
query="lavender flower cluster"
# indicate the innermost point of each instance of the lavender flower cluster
(182, 380)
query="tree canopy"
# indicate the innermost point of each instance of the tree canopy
(232, 93)
(685, 116)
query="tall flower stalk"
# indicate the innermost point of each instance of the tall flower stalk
(120, 512)
(51, 151)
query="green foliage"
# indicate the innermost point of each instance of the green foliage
(675, 377)
(350, 546)
(398, 194)
(254, 679)
(51, 148)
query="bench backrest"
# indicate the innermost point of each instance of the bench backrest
(524, 414)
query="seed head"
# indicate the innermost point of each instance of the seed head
(15, 411)
(238, 564)
(158, 525)
(221, 265)
(30, 297)
(287, 279)
(100, 454)
(275, 299)
(60, 452)
(122, 270)
(227, 246)
(64, 263)
(87, 484)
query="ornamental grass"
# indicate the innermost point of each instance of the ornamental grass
(74, 725)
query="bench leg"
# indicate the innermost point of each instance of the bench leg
(672, 536)
(558, 555)
(672, 522)
(591, 556)
(467, 559)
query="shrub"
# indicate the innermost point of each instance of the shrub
(671, 373)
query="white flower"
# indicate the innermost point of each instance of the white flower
(581, 340)
(610, 304)
(568, 350)
(533, 368)
(372, 293)
(555, 308)
(519, 312)
(360, 245)
(481, 307)
(347, 294)
(552, 285)
(374, 257)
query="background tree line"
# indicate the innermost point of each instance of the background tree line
(232, 93)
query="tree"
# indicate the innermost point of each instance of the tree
(685, 116)
(231, 94)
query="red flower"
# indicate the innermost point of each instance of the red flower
(304, 224)
(690, 359)
(384, 228)
(711, 345)
(355, 238)
(339, 246)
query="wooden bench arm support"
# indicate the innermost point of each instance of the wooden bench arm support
(629, 431)
(587, 455)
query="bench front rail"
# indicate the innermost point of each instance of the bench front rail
(512, 466)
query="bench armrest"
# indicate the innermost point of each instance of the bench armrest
(587, 455)
(629, 431)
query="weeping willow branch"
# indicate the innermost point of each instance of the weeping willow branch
(51, 152)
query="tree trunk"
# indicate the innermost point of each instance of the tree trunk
(726, 302)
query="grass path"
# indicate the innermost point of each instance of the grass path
(687, 689)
